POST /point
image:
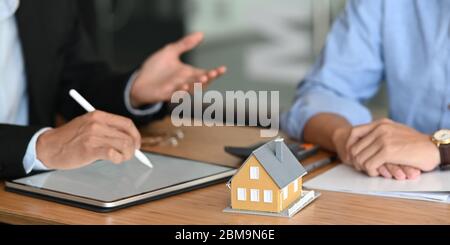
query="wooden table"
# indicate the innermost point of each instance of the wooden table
(204, 206)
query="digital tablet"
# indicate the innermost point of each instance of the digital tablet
(104, 186)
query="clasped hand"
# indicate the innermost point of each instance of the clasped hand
(386, 148)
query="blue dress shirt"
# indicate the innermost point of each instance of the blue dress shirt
(403, 42)
(13, 88)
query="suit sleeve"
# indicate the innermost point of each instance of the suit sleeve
(84, 71)
(92, 77)
(13, 144)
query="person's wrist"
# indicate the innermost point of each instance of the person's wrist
(433, 153)
(140, 95)
(338, 137)
(43, 148)
(135, 99)
(339, 141)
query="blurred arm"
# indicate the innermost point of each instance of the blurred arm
(347, 73)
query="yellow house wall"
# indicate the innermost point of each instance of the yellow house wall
(265, 182)
(292, 196)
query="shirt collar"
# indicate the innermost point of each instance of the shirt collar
(8, 8)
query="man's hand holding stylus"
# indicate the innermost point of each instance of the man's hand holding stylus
(100, 135)
(93, 136)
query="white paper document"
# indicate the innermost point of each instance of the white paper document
(433, 186)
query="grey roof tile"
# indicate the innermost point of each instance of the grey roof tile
(284, 172)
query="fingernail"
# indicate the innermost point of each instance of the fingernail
(386, 173)
(400, 176)
(413, 175)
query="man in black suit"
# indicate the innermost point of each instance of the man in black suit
(44, 53)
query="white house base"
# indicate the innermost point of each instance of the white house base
(306, 198)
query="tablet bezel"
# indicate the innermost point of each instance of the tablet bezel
(108, 206)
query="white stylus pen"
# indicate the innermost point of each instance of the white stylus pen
(88, 107)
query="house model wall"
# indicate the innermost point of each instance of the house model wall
(267, 181)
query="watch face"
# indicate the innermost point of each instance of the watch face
(442, 135)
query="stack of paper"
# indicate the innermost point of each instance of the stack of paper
(434, 186)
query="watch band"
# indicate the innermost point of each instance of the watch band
(444, 151)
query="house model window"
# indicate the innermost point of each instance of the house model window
(285, 193)
(241, 194)
(254, 195)
(268, 196)
(254, 173)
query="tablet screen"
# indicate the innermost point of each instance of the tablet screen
(106, 182)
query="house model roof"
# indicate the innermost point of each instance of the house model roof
(284, 172)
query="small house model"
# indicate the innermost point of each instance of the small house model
(270, 180)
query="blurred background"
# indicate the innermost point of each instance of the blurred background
(266, 44)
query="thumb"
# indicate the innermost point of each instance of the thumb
(189, 42)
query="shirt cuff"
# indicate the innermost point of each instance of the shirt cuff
(30, 160)
(148, 110)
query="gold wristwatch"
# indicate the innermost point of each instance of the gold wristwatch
(442, 140)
